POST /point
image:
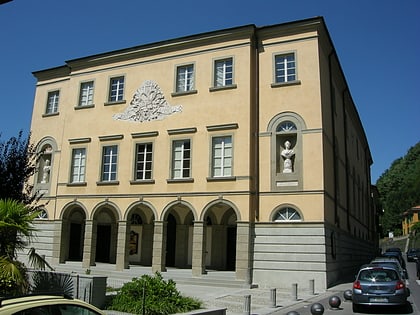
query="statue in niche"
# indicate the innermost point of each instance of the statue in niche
(46, 172)
(287, 154)
(148, 104)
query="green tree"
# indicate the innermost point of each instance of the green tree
(399, 188)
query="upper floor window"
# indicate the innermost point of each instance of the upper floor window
(285, 68)
(185, 78)
(181, 159)
(109, 163)
(78, 165)
(144, 159)
(223, 72)
(86, 94)
(222, 156)
(287, 214)
(116, 89)
(52, 102)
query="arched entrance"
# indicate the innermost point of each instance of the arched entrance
(105, 230)
(73, 234)
(221, 232)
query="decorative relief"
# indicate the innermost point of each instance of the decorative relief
(148, 104)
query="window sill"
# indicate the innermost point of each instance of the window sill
(115, 103)
(221, 179)
(175, 94)
(180, 180)
(108, 183)
(275, 85)
(142, 181)
(77, 184)
(221, 88)
(84, 106)
(50, 114)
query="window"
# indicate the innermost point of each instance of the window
(185, 78)
(78, 165)
(223, 74)
(222, 156)
(109, 163)
(52, 102)
(181, 159)
(287, 214)
(144, 155)
(285, 68)
(116, 89)
(86, 94)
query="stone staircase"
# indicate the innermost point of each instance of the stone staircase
(116, 278)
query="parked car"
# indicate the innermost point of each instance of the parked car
(392, 262)
(412, 254)
(379, 286)
(396, 254)
(46, 304)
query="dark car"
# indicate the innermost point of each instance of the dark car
(412, 254)
(379, 286)
(397, 255)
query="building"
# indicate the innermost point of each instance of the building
(239, 149)
(410, 217)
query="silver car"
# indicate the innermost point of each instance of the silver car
(379, 286)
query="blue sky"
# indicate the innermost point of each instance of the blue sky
(377, 41)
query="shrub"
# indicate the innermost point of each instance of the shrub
(157, 296)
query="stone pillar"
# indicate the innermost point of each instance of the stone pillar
(57, 245)
(89, 250)
(122, 246)
(199, 249)
(159, 247)
(243, 254)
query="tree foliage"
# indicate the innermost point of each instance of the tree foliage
(399, 188)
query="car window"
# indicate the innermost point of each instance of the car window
(59, 309)
(378, 275)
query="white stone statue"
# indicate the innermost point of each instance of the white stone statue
(46, 172)
(287, 154)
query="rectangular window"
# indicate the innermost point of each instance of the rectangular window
(86, 94)
(223, 72)
(185, 78)
(144, 155)
(116, 89)
(109, 163)
(285, 67)
(181, 159)
(78, 165)
(222, 156)
(52, 102)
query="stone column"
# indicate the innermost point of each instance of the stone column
(122, 246)
(159, 247)
(243, 252)
(199, 249)
(57, 245)
(89, 250)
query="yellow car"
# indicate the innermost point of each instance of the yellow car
(46, 305)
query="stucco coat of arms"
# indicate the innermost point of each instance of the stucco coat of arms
(148, 104)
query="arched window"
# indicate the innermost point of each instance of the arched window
(136, 219)
(42, 215)
(287, 214)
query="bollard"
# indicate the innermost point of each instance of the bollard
(273, 297)
(294, 291)
(247, 304)
(312, 286)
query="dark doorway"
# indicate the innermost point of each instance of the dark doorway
(76, 242)
(231, 249)
(170, 241)
(103, 243)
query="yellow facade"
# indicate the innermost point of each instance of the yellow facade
(220, 192)
(410, 217)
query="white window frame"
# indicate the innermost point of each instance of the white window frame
(181, 159)
(223, 68)
(185, 78)
(287, 214)
(109, 166)
(286, 63)
(143, 169)
(222, 156)
(116, 89)
(86, 93)
(78, 165)
(53, 100)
